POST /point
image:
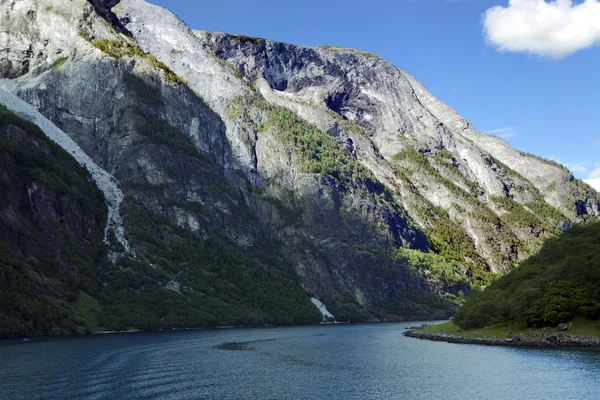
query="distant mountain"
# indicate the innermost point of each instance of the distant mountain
(558, 284)
(243, 177)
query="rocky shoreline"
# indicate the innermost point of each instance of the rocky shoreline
(541, 340)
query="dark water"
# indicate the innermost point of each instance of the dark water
(370, 361)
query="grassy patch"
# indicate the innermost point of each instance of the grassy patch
(248, 39)
(580, 327)
(346, 124)
(119, 49)
(59, 62)
(88, 310)
(434, 267)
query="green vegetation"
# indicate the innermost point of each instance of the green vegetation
(445, 236)
(59, 62)
(516, 215)
(420, 164)
(434, 267)
(558, 284)
(544, 211)
(579, 327)
(57, 12)
(178, 280)
(318, 152)
(406, 137)
(443, 157)
(36, 250)
(220, 284)
(448, 239)
(346, 124)
(544, 160)
(346, 308)
(88, 310)
(119, 49)
(56, 169)
(499, 331)
(363, 53)
(243, 38)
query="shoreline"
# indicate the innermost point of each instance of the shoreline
(220, 327)
(544, 340)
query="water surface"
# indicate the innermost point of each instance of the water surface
(355, 361)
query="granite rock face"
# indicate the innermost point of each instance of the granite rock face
(421, 148)
(336, 162)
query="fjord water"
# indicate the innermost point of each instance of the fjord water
(362, 361)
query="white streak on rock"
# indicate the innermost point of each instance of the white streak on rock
(104, 181)
(326, 314)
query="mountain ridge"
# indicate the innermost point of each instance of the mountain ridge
(328, 162)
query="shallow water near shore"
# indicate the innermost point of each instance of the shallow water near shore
(355, 361)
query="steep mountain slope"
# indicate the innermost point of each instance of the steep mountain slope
(52, 220)
(257, 174)
(479, 200)
(340, 230)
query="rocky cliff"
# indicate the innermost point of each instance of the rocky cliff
(476, 197)
(256, 175)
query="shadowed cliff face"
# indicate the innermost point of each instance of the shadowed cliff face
(104, 8)
(52, 220)
(259, 174)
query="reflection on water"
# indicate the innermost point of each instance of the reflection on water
(362, 361)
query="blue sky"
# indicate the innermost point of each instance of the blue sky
(533, 83)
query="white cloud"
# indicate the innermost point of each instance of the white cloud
(554, 29)
(595, 183)
(581, 166)
(577, 168)
(504, 133)
(594, 178)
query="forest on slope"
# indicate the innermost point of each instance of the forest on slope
(558, 284)
(55, 277)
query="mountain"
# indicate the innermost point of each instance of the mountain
(553, 287)
(243, 177)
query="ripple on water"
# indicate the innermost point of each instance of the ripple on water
(334, 362)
